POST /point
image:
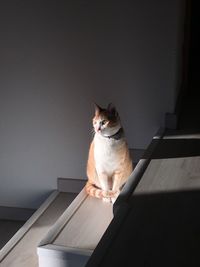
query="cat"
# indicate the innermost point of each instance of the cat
(109, 163)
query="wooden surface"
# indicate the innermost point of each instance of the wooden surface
(77, 232)
(86, 226)
(24, 254)
(173, 174)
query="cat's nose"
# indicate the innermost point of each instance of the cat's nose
(98, 128)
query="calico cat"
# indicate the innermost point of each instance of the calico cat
(109, 164)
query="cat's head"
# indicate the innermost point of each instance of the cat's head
(106, 121)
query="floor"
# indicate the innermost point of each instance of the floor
(25, 252)
(8, 229)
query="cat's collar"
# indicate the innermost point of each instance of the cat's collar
(118, 135)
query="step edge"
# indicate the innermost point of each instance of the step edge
(63, 219)
(25, 228)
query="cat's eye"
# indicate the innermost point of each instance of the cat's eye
(103, 122)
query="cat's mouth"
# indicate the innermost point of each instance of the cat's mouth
(101, 132)
(98, 129)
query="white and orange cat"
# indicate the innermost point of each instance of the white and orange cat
(109, 162)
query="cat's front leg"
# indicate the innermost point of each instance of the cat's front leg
(104, 182)
(118, 181)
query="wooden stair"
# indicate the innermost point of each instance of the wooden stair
(76, 234)
(73, 229)
(62, 229)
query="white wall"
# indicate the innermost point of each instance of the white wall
(56, 58)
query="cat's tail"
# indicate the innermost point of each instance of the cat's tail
(94, 191)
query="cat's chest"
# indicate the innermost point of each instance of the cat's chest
(106, 154)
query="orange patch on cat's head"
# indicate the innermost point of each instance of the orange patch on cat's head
(108, 116)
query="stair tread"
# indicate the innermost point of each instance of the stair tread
(87, 225)
(75, 235)
(25, 252)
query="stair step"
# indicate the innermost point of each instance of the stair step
(72, 237)
(76, 234)
(21, 250)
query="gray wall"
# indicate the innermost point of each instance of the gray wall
(56, 58)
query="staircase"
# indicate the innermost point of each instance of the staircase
(66, 228)
(73, 229)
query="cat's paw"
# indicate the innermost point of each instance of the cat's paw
(108, 194)
(115, 196)
(113, 199)
(107, 199)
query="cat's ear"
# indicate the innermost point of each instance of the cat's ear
(112, 110)
(98, 109)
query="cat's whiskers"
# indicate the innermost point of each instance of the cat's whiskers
(93, 131)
